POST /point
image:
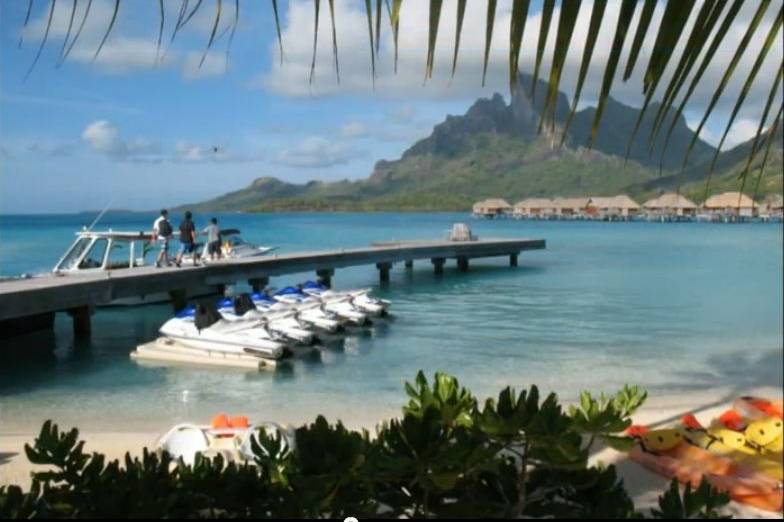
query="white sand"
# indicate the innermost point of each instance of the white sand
(643, 485)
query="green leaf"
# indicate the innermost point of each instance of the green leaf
(771, 138)
(394, 20)
(43, 40)
(519, 16)
(369, 13)
(489, 23)
(277, 28)
(639, 36)
(621, 28)
(703, 502)
(461, 6)
(566, 23)
(547, 15)
(109, 29)
(378, 25)
(26, 21)
(70, 26)
(334, 38)
(78, 32)
(316, 6)
(432, 34)
(218, 6)
(774, 90)
(594, 26)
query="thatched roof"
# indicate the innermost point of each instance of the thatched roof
(534, 203)
(621, 202)
(728, 200)
(571, 203)
(775, 201)
(670, 200)
(492, 204)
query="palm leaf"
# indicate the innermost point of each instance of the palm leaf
(706, 20)
(729, 69)
(78, 32)
(394, 20)
(516, 31)
(461, 7)
(621, 28)
(378, 26)
(68, 32)
(26, 20)
(774, 29)
(594, 26)
(639, 36)
(566, 22)
(177, 25)
(334, 38)
(277, 28)
(233, 29)
(755, 144)
(369, 12)
(218, 7)
(717, 39)
(676, 14)
(771, 137)
(489, 23)
(160, 29)
(193, 12)
(547, 16)
(43, 40)
(316, 6)
(109, 29)
(432, 35)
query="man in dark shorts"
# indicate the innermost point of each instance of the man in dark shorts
(213, 239)
(187, 240)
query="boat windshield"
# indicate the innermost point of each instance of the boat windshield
(234, 240)
(73, 255)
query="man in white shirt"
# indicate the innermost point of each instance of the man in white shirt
(162, 232)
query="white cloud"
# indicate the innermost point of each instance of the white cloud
(316, 152)
(354, 129)
(215, 64)
(104, 138)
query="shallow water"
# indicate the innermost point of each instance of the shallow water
(672, 307)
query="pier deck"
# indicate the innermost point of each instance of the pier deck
(79, 293)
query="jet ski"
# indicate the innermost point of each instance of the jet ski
(282, 322)
(204, 328)
(311, 313)
(340, 306)
(359, 298)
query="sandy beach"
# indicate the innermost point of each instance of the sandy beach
(643, 485)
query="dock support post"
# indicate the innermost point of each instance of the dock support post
(438, 265)
(259, 283)
(409, 263)
(513, 259)
(81, 321)
(383, 271)
(462, 264)
(179, 299)
(325, 276)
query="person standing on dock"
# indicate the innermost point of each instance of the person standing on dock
(213, 239)
(162, 232)
(187, 240)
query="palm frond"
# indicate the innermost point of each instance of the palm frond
(763, 5)
(378, 26)
(43, 40)
(191, 13)
(68, 31)
(394, 21)
(160, 29)
(771, 138)
(234, 25)
(461, 7)
(218, 7)
(109, 29)
(26, 20)
(774, 29)
(566, 22)
(277, 28)
(621, 28)
(316, 6)
(432, 35)
(547, 16)
(369, 12)
(334, 38)
(639, 36)
(594, 26)
(516, 31)
(489, 23)
(774, 90)
(78, 33)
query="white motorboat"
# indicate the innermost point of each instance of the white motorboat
(283, 322)
(232, 246)
(204, 328)
(340, 306)
(361, 299)
(311, 313)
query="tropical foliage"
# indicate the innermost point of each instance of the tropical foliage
(700, 28)
(519, 454)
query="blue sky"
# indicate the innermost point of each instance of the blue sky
(143, 135)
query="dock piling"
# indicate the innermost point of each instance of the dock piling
(259, 283)
(383, 271)
(409, 263)
(81, 321)
(462, 264)
(179, 299)
(513, 259)
(325, 276)
(438, 265)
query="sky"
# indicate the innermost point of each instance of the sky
(141, 128)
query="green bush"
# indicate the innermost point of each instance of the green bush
(517, 455)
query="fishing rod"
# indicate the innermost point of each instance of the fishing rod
(100, 215)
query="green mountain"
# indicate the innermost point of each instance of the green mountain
(495, 150)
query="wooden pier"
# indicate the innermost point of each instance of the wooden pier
(31, 303)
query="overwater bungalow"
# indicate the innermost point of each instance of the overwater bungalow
(729, 206)
(669, 206)
(491, 208)
(772, 208)
(620, 207)
(570, 208)
(533, 208)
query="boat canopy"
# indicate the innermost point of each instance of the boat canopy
(229, 231)
(109, 234)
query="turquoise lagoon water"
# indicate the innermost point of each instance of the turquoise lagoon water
(672, 307)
